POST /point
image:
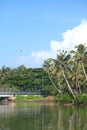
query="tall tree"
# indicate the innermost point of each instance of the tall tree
(81, 56)
(47, 67)
(61, 62)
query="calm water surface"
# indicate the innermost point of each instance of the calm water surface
(36, 116)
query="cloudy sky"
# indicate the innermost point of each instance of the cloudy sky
(33, 30)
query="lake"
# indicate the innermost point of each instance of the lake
(40, 116)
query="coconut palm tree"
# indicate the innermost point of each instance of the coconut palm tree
(81, 56)
(61, 63)
(47, 66)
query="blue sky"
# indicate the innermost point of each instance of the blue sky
(33, 30)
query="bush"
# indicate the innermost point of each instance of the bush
(80, 99)
(65, 98)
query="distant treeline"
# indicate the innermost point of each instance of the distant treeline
(23, 79)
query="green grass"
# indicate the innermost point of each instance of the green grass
(28, 97)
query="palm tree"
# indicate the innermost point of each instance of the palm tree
(47, 65)
(75, 75)
(61, 62)
(81, 56)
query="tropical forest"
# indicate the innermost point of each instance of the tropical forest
(68, 74)
(65, 76)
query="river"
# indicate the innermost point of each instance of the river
(40, 116)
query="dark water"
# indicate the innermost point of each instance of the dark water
(36, 116)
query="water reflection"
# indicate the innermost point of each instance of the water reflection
(37, 116)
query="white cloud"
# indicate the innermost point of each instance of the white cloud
(34, 60)
(71, 37)
(41, 54)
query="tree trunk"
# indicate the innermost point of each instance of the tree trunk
(84, 70)
(76, 81)
(53, 83)
(79, 87)
(69, 87)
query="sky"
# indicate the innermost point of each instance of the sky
(33, 30)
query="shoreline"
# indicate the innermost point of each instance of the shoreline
(48, 99)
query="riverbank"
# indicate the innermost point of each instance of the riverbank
(31, 98)
(65, 99)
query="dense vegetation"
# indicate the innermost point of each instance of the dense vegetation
(66, 75)
(68, 72)
(23, 79)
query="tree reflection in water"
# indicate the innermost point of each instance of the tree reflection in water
(38, 116)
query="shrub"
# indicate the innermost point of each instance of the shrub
(65, 98)
(80, 99)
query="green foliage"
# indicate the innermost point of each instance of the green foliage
(23, 79)
(65, 75)
(64, 98)
(80, 99)
(50, 90)
(68, 71)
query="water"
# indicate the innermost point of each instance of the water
(37, 116)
